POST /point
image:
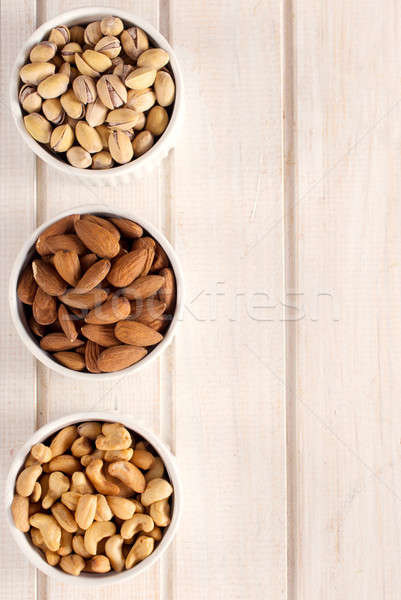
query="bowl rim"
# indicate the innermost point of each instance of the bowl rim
(158, 150)
(42, 355)
(87, 579)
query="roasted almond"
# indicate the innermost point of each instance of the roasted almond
(159, 325)
(150, 245)
(92, 353)
(127, 268)
(101, 334)
(103, 223)
(127, 227)
(115, 309)
(146, 311)
(26, 288)
(66, 241)
(47, 278)
(61, 226)
(136, 334)
(67, 323)
(87, 261)
(161, 259)
(98, 239)
(93, 276)
(71, 360)
(37, 328)
(87, 300)
(44, 308)
(143, 287)
(119, 357)
(53, 342)
(167, 292)
(68, 266)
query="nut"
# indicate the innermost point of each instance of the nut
(120, 147)
(20, 512)
(143, 459)
(157, 120)
(134, 41)
(84, 89)
(97, 532)
(80, 483)
(130, 475)
(65, 543)
(26, 480)
(41, 453)
(114, 552)
(164, 88)
(122, 508)
(58, 484)
(70, 500)
(78, 546)
(156, 58)
(92, 33)
(63, 440)
(78, 157)
(96, 113)
(141, 78)
(53, 111)
(69, 50)
(98, 564)
(53, 86)
(97, 61)
(64, 463)
(72, 106)
(156, 489)
(38, 127)
(160, 512)
(142, 548)
(77, 34)
(43, 52)
(90, 430)
(81, 447)
(112, 91)
(64, 518)
(141, 100)
(72, 564)
(29, 98)
(156, 471)
(109, 45)
(49, 528)
(111, 26)
(62, 138)
(34, 73)
(94, 473)
(103, 511)
(86, 510)
(102, 160)
(113, 455)
(88, 137)
(139, 522)
(114, 437)
(60, 35)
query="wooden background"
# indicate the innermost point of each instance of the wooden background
(280, 395)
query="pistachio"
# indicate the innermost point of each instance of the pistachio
(157, 120)
(141, 122)
(164, 88)
(134, 41)
(141, 100)
(111, 26)
(84, 89)
(141, 78)
(93, 33)
(154, 57)
(53, 111)
(102, 160)
(69, 70)
(96, 113)
(62, 138)
(88, 137)
(122, 118)
(96, 60)
(84, 68)
(122, 71)
(53, 86)
(109, 45)
(142, 143)
(69, 51)
(43, 52)
(115, 62)
(34, 73)
(77, 34)
(60, 36)
(38, 127)
(104, 133)
(72, 106)
(29, 98)
(120, 147)
(112, 91)
(78, 157)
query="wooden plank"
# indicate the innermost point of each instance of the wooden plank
(347, 242)
(230, 413)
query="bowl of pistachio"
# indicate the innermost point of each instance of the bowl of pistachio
(97, 93)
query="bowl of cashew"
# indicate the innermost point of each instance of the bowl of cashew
(93, 498)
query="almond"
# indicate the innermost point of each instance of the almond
(37, 328)
(167, 292)
(159, 324)
(161, 259)
(136, 334)
(103, 223)
(148, 310)
(26, 288)
(88, 300)
(47, 278)
(67, 323)
(101, 334)
(143, 287)
(71, 360)
(87, 261)
(127, 268)
(93, 276)
(67, 266)
(128, 228)
(115, 309)
(44, 308)
(119, 357)
(150, 245)
(52, 342)
(62, 226)
(97, 238)
(92, 352)
(65, 241)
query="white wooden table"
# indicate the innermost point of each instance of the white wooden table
(280, 395)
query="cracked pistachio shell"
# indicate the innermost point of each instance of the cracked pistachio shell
(141, 122)
(96, 113)
(141, 78)
(53, 111)
(93, 33)
(115, 62)
(69, 70)
(88, 137)
(141, 100)
(60, 36)
(157, 120)
(43, 52)
(164, 88)
(77, 34)
(85, 89)
(111, 25)
(96, 60)
(72, 106)
(53, 86)
(142, 143)
(122, 71)
(69, 51)
(156, 58)
(112, 92)
(29, 98)
(109, 45)
(78, 157)
(102, 160)
(104, 133)
(122, 118)
(84, 68)
(120, 146)
(62, 138)
(38, 127)
(34, 73)
(134, 41)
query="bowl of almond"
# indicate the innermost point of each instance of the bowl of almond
(97, 93)
(96, 293)
(93, 498)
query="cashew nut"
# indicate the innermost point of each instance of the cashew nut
(114, 551)
(98, 564)
(139, 508)
(65, 544)
(156, 534)
(52, 558)
(49, 528)
(160, 512)
(26, 480)
(86, 510)
(143, 459)
(70, 500)
(139, 522)
(85, 460)
(103, 511)
(64, 518)
(114, 437)
(37, 538)
(41, 453)
(141, 549)
(112, 455)
(80, 483)
(36, 493)
(72, 564)
(91, 430)
(81, 447)
(20, 512)
(125, 491)
(128, 474)
(58, 484)
(156, 489)
(156, 471)
(78, 546)
(94, 472)
(122, 508)
(96, 532)
(64, 463)
(63, 440)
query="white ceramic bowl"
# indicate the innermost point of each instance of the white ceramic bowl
(18, 314)
(87, 579)
(124, 173)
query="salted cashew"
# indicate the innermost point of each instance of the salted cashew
(81, 484)
(63, 440)
(37, 538)
(112, 455)
(125, 491)
(128, 474)
(95, 474)
(26, 480)
(72, 564)
(49, 528)
(90, 430)
(157, 489)
(103, 510)
(70, 500)
(78, 546)
(142, 459)
(98, 564)
(122, 508)
(139, 522)
(156, 534)
(36, 493)
(41, 453)
(81, 447)
(20, 512)
(141, 549)
(65, 543)
(86, 510)
(52, 558)
(156, 471)
(139, 507)
(58, 484)
(85, 460)
(114, 437)
(160, 512)
(96, 532)
(114, 552)
(63, 517)
(64, 463)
